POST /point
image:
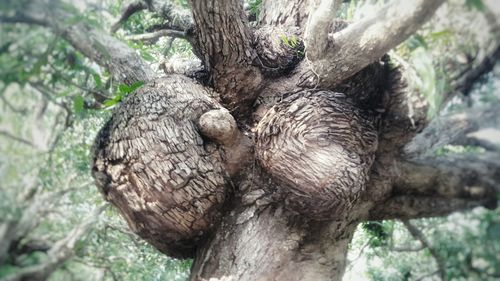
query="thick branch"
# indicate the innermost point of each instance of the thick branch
(316, 36)
(437, 186)
(286, 13)
(152, 37)
(453, 129)
(122, 61)
(224, 46)
(366, 41)
(412, 207)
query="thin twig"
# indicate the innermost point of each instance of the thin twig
(419, 235)
(152, 37)
(16, 138)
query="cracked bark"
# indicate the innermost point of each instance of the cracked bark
(223, 44)
(275, 191)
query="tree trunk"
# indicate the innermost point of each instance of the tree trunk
(277, 193)
(267, 177)
(265, 244)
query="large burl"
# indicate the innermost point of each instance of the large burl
(320, 146)
(151, 163)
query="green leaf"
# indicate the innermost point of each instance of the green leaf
(110, 103)
(443, 34)
(123, 89)
(97, 79)
(78, 104)
(135, 86)
(475, 4)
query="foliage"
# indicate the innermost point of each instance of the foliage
(255, 7)
(121, 92)
(465, 241)
(52, 98)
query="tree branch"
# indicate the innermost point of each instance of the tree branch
(119, 59)
(286, 13)
(60, 252)
(176, 18)
(453, 129)
(16, 138)
(419, 235)
(152, 37)
(412, 207)
(407, 249)
(437, 186)
(224, 45)
(127, 12)
(316, 36)
(364, 42)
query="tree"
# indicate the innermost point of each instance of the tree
(297, 130)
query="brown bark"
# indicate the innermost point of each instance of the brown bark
(223, 44)
(276, 197)
(265, 244)
(287, 13)
(152, 164)
(322, 161)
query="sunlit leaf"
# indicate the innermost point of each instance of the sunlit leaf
(78, 104)
(123, 88)
(110, 102)
(135, 86)
(97, 80)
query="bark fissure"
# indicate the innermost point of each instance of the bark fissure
(224, 46)
(279, 198)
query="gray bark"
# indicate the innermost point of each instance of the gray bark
(152, 164)
(275, 191)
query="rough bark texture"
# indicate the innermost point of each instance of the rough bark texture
(287, 13)
(152, 164)
(320, 146)
(272, 186)
(379, 33)
(267, 244)
(223, 44)
(326, 150)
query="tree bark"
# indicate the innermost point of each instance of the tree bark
(267, 177)
(264, 244)
(223, 44)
